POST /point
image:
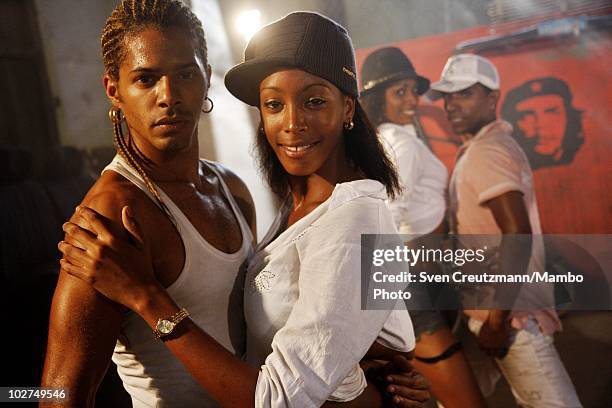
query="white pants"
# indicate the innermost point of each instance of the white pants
(532, 367)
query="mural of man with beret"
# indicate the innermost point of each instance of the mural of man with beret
(546, 124)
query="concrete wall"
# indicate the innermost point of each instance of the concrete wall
(371, 23)
(70, 32)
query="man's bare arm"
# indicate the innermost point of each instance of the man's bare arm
(512, 218)
(83, 326)
(510, 213)
(83, 329)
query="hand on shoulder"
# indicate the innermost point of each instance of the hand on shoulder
(103, 237)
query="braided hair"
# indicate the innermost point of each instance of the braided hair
(129, 18)
(132, 16)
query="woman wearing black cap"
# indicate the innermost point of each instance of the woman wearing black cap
(390, 95)
(306, 329)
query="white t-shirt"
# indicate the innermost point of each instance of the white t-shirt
(305, 326)
(421, 206)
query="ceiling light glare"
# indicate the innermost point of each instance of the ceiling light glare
(248, 22)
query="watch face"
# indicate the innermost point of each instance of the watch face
(165, 326)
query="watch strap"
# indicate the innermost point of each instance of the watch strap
(175, 319)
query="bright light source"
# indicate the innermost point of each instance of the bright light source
(248, 22)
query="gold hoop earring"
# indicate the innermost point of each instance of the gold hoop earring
(212, 105)
(348, 125)
(115, 116)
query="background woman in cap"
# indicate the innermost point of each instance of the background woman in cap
(306, 329)
(390, 95)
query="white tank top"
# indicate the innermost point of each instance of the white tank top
(210, 287)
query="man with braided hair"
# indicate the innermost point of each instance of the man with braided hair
(156, 78)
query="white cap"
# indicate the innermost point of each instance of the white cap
(462, 71)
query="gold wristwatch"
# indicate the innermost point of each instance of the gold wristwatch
(164, 327)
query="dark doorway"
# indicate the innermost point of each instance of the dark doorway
(27, 118)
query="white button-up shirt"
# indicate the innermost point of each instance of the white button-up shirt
(305, 326)
(422, 205)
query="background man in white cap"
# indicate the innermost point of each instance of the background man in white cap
(491, 192)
